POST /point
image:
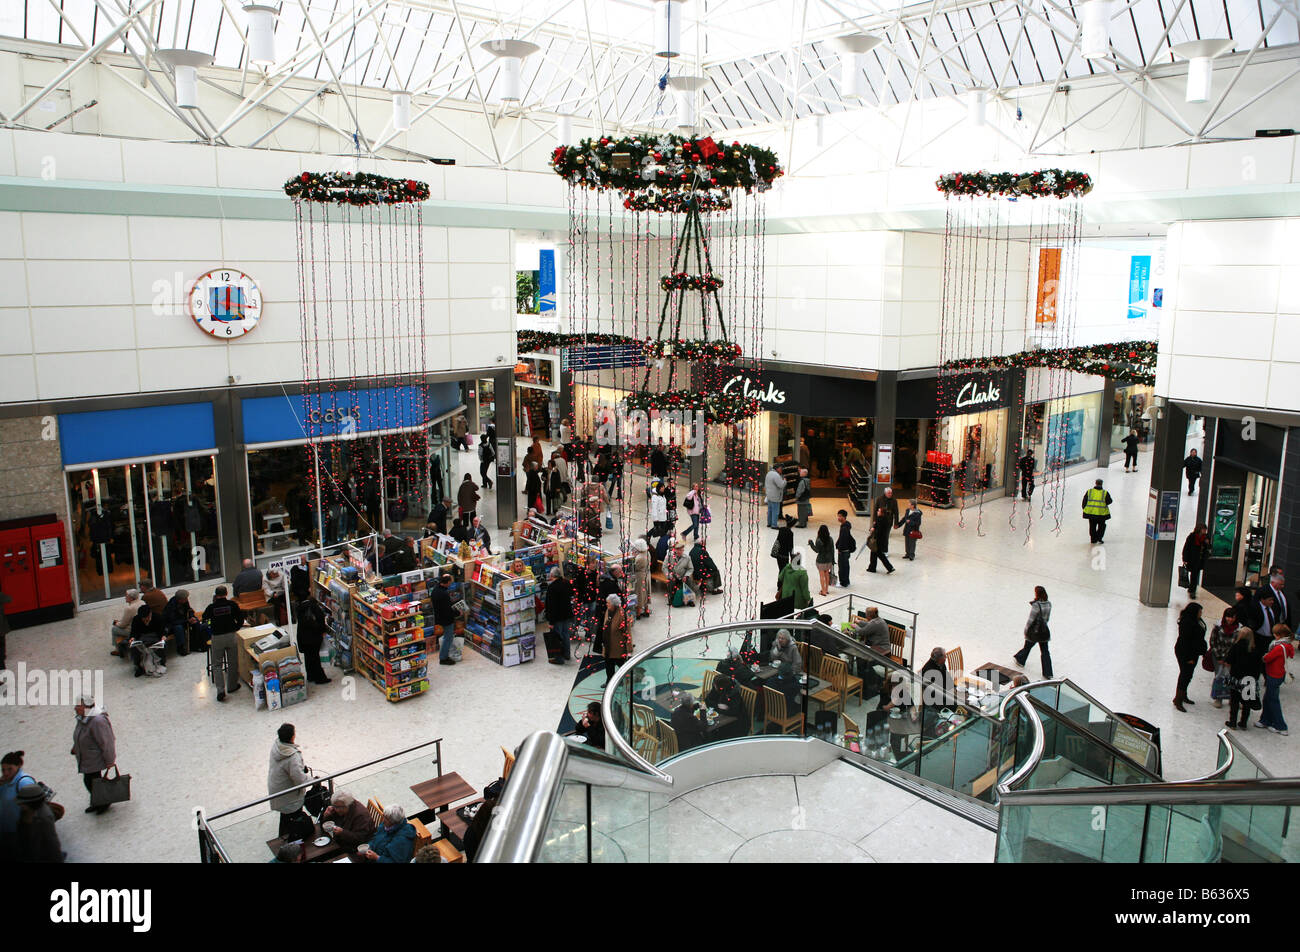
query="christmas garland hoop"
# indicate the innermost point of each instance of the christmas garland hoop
(690, 282)
(695, 350)
(724, 408)
(704, 201)
(636, 164)
(1130, 361)
(1054, 183)
(354, 188)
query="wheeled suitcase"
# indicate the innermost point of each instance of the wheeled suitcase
(554, 645)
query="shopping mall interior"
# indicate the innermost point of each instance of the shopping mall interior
(662, 431)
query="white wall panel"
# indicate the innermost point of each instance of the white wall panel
(11, 234)
(1238, 383)
(480, 350)
(1250, 163)
(479, 245)
(64, 329)
(166, 163)
(7, 163)
(86, 374)
(60, 283)
(76, 237)
(67, 157)
(13, 284)
(257, 240)
(1215, 333)
(173, 238)
(1256, 242)
(15, 331)
(17, 378)
(1239, 288)
(267, 363)
(1284, 387)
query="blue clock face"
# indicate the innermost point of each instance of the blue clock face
(225, 303)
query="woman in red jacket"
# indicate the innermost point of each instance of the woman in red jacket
(1275, 660)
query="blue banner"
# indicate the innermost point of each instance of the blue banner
(546, 280)
(603, 357)
(1139, 285)
(137, 431)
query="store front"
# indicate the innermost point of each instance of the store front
(375, 460)
(143, 499)
(1128, 412)
(1242, 506)
(537, 396)
(1065, 429)
(952, 436)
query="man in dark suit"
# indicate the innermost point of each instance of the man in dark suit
(1281, 606)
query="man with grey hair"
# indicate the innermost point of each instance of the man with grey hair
(559, 612)
(348, 821)
(248, 580)
(873, 631)
(122, 627)
(803, 497)
(785, 651)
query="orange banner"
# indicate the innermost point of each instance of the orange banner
(1049, 277)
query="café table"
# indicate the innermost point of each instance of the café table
(440, 792)
(313, 853)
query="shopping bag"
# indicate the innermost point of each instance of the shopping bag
(915, 534)
(609, 519)
(106, 790)
(457, 648)
(1184, 577)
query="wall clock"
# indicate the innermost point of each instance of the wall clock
(225, 303)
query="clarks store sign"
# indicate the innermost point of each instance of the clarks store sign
(971, 393)
(783, 391)
(769, 396)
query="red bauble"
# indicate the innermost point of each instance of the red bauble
(306, 176)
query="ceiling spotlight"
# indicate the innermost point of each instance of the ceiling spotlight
(668, 27)
(977, 105)
(853, 63)
(185, 64)
(685, 87)
(511, 54)
(1094, 29)
(261, 33)
(1199, 54)
(402, 111)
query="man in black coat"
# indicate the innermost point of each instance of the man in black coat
(1026, 466)
(845, 545)
(687, 725)
(311, 635)
(559, 611)
(1192, 467)
(223, 618)
(438, 516)
(444, 614)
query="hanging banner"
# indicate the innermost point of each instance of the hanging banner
(1049, 279)
(1168, 518)
(1139, 286)
(885, 463)
(546, 280)
(1223, 532)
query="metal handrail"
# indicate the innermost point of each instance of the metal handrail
(1036, 751)
(1058, 682)
(1273, 791)
(1105, 745)
(328, 778)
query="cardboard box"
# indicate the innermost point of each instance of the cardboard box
(246, 638)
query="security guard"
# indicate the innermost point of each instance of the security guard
(1096, 509)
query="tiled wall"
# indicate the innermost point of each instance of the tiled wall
(1230, 333)
(31, 472)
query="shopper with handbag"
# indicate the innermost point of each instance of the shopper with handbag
(1246, 670)
(824, 547)
(1188, 650)
(1037, 631)
(1221, 639)
(1196, 549)
(845, 545)
(285, 772)
(93, 744)
(910, 522)
(784, 544)
(1276, 671)
(617, 630)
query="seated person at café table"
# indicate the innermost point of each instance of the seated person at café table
(686, 722)
(393, 842)
(733, 667)
(785, 650)
(592, 727)
(786, 680)
(347, 821)
(724, 697)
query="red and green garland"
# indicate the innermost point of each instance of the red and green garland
(660, 201)
(636, 164)
(678, 349)
(1131, 361)
(724, 408)
(354, 188)
(1054, 183)
(690, 282)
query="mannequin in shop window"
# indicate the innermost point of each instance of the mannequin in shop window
(101, 534)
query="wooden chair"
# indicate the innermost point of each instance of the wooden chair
(376, 811)
(667, 740)
(897, 642)
(803, 647)
(774, 712)
(955, 666)
(749, 697)
(646, 746)
(509, 763)
(815, 656)
(849, 724)
(836, 671)
(423, 837)
(448, 852)
(852, 684)
(643, 719)
(707, 684)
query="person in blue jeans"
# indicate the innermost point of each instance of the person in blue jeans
(694, 503)
(444, 614)
(1275, 659)
(559, 610)
(178, 618)
(774, 490)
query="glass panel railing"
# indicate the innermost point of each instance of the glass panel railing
(1069, 700)
(844, 613)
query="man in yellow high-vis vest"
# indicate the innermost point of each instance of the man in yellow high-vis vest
(1096, 509)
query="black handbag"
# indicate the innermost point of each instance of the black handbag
(1038, 630)
(316, 800)
(106, 790)
(1184, 577)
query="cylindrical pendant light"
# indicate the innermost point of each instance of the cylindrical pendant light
(977, 105)
(401, 111)
(184, 65)
(563, 130)
(685, 87)
(853, 63)
(668, 27)
(261, 33)
(1094, 29)
(510, 55)
(1200, 56)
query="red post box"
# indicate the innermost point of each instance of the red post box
(34, 570)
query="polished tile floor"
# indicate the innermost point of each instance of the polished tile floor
(970, 583)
